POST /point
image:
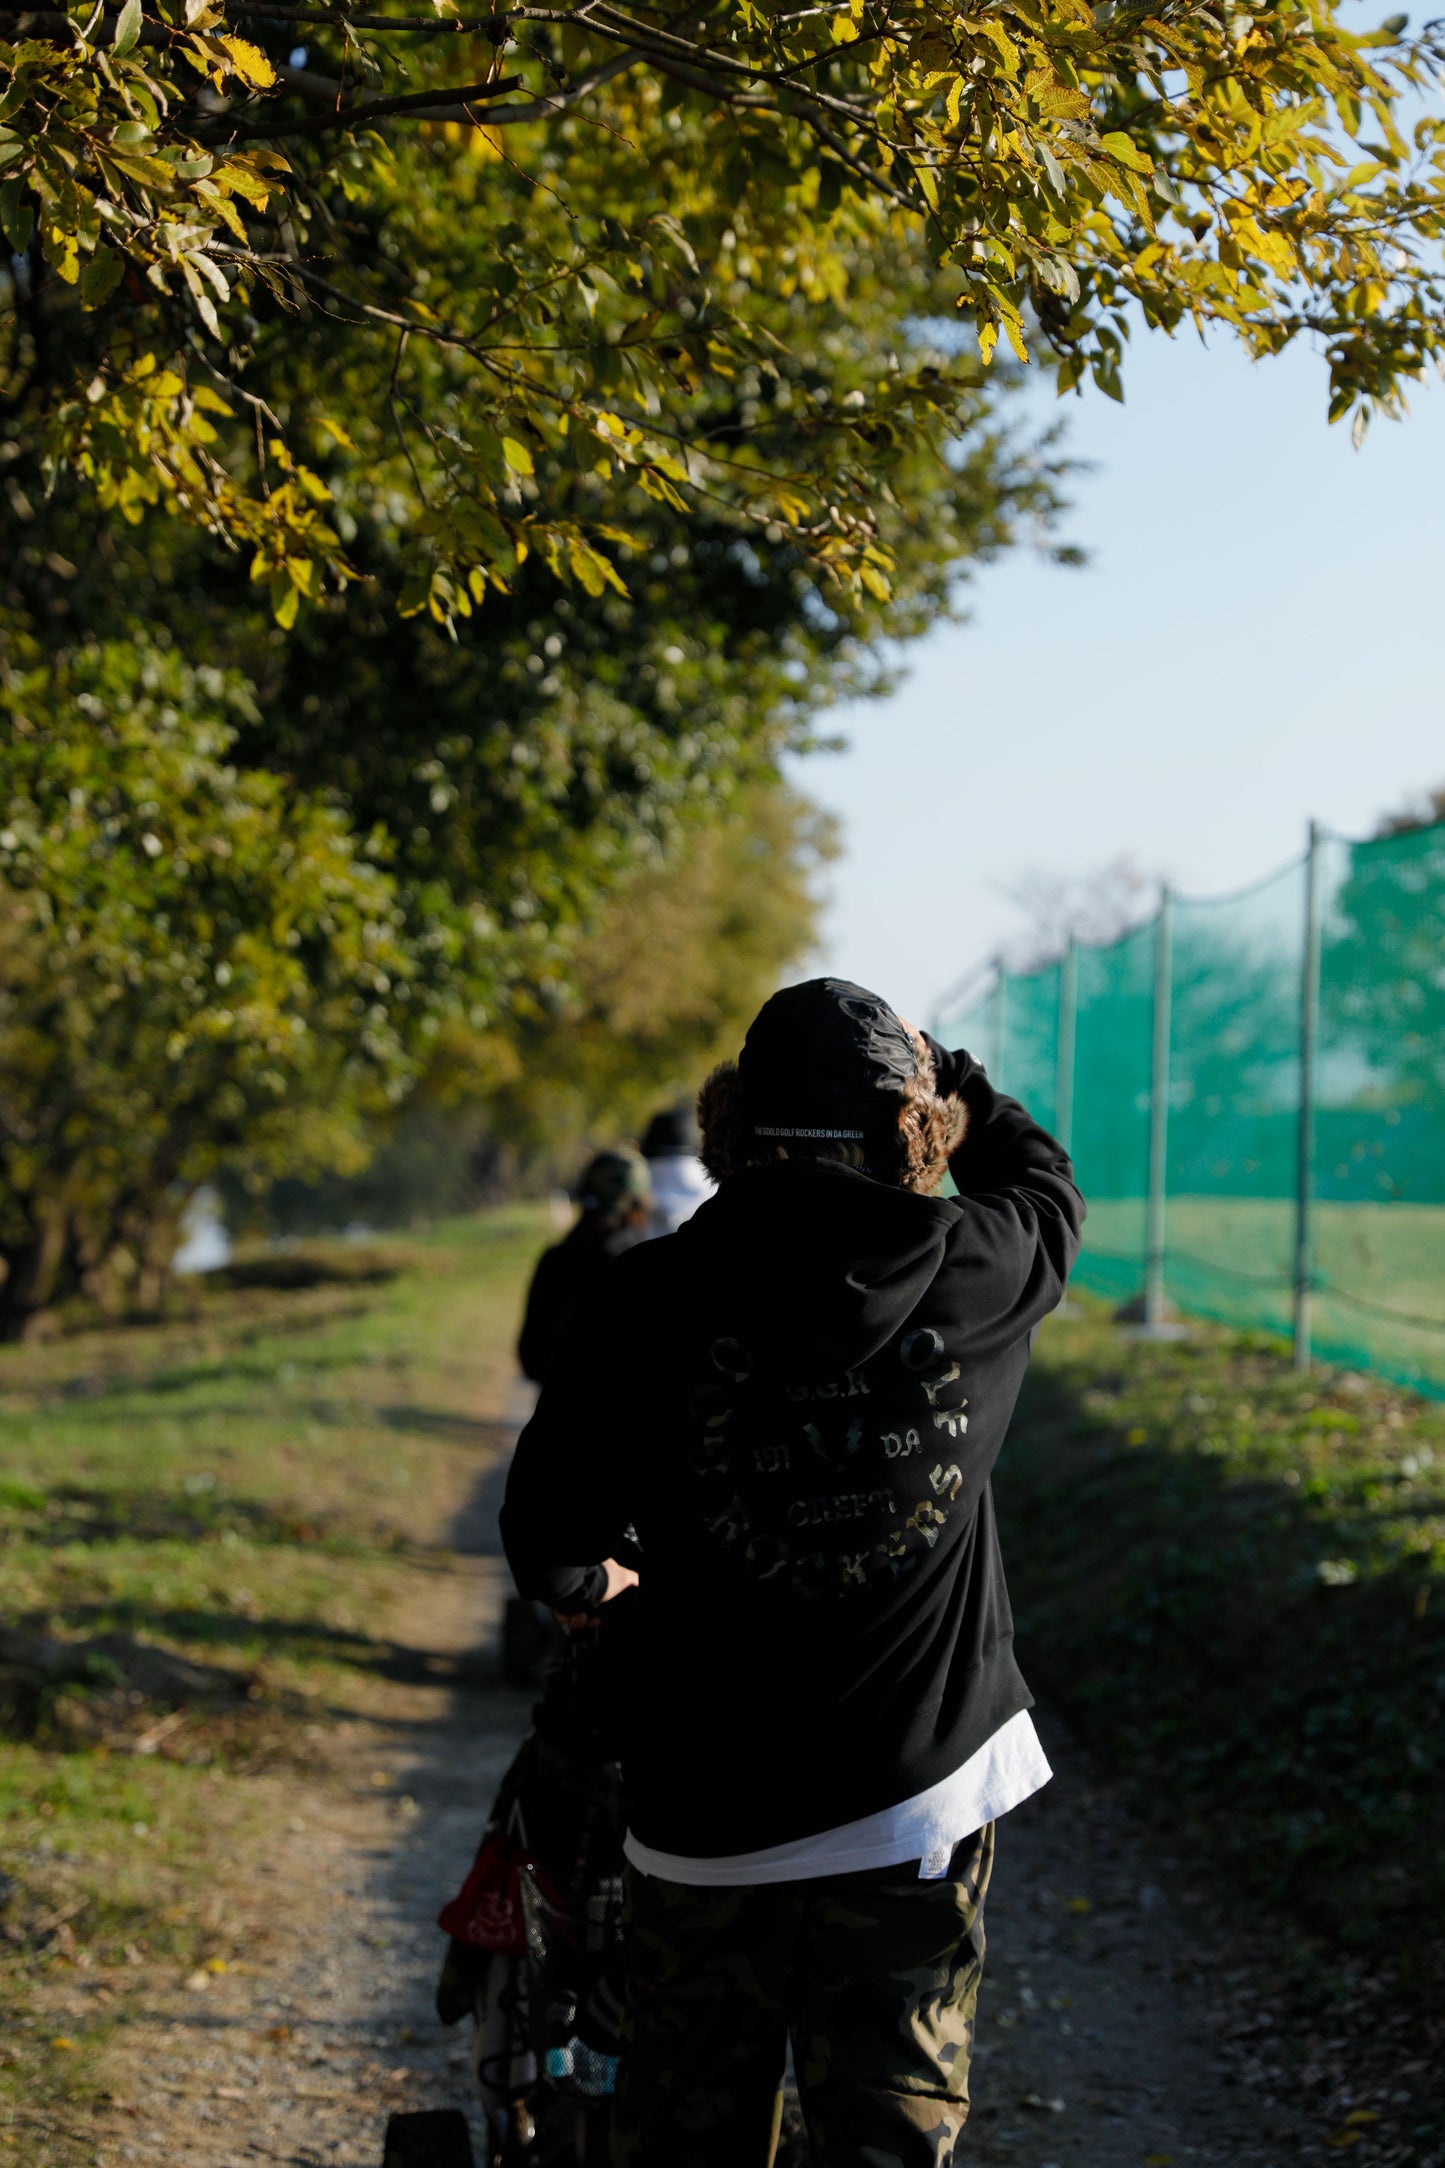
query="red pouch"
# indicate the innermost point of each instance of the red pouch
(486, 1913)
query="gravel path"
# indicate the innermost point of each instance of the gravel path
(1100, 2034)
(1096, 2047)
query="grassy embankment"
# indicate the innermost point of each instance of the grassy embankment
(1228, 1577)
(230, 1515)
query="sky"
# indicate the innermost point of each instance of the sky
(1256, 639)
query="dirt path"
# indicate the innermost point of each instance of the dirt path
(299, 2053)
(1095, 2047)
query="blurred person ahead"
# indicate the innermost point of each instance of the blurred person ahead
(615, 1195)
(680, 1181)
(798, 1400)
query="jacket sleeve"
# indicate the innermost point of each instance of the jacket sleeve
(1023, 1213)
(567, 1507)
(534, 1343)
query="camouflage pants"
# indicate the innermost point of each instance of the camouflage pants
(875, 1976)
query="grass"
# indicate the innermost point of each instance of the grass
(1229, 1577)
(1231, 1259)
(209, 1531)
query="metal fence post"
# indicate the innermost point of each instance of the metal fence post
(1154, 1297)
(1309, 1033)
(1064, 1077)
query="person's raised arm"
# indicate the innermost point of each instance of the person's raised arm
(1023, 1234)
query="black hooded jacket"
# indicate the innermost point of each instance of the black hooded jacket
(797, 1400)
(566, 1280)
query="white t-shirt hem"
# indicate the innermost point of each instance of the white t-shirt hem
(1006, 1770)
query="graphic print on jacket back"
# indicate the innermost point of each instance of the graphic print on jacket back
(834, 1483)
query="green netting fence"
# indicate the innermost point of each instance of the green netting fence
(1253, 1090)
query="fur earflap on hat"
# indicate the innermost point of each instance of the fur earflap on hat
(915, 1156)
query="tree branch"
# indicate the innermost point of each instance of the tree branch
(333, 90)
(444, 104)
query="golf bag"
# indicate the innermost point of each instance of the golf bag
(535, 1931)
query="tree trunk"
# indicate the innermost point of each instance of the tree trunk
(35, 1270)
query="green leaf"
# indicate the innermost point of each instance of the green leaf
(285, 600)
(518, 458)
(1126, 152)
(16, 217)
(127, 30)
(100, 277)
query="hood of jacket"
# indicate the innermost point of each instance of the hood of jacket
(818, 1264)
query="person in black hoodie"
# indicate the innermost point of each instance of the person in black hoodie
(615, 1194)
(796, 1401)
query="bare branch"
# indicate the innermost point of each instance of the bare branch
(335, 91)
(443, 103)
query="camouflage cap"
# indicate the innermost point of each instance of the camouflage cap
(614, 1180)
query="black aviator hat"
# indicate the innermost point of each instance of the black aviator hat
(816, 1060)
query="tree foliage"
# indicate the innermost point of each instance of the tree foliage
(199, 968)
(1383, 993)
(510, 779)
(639, 186)
(667, 983)
(664, 985)
(519, 768)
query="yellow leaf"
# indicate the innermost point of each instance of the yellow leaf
(1063, 103)
(250, 63)
(586, 567)
(238, 180)
(518, 458)
(231, 217)
(1007, 50)
(875, 583)
(987, 341)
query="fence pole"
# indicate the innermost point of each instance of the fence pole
(1309, 1033)
(1154, 1297)
(999, 1022)
(1068, 1012)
